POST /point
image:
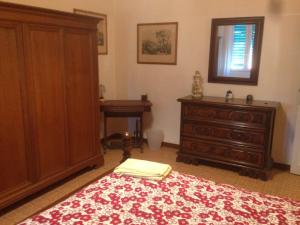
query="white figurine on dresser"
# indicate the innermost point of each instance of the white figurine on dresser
(197, 88)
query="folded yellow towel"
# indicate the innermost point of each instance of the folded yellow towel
(144, 168)
(154, 177)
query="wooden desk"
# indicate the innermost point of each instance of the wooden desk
(125, 108)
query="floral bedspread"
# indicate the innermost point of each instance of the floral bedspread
(179, 199)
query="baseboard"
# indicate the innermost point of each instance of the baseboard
(165, 144)
(170, 145)
(281, 166)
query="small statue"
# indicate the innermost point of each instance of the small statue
(101, 91)
(197, 89)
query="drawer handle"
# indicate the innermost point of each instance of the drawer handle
(240, 136)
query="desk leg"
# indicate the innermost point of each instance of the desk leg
(105, 134)
(141, 133)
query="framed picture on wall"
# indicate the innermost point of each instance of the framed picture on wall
(157, 43)
(102, 30)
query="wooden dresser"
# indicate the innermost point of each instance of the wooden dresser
(228, 132)
(49, 108)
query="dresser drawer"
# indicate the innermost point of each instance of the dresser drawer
(223, 133)
(202, 112)
(208, 150)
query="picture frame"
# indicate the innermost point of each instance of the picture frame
(102, 40)
(157, 43)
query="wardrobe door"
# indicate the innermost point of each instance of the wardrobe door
(45, 66)
(15, 173)
(82, 78)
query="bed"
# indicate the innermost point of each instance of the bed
(178, 199)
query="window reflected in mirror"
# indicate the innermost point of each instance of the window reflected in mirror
(235, 45)
(235, 50)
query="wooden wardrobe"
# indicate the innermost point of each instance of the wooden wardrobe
(49, 110)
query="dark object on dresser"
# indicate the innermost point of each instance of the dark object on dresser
(249, 98)
(228, 132)
(49, 108)
(144, 97)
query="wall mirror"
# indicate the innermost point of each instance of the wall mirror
(235, 48)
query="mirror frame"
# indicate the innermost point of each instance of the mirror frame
(213, 56)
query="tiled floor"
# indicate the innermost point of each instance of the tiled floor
(282, 183)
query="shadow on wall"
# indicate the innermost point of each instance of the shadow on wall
(115, 125)
(275, 6)
(148, 121)
(283, 137)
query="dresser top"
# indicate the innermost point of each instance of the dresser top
(234, 101)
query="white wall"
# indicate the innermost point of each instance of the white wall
(279, 77)
(279, 73)
(295, 166)
(106, 62)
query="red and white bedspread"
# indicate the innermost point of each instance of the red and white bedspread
(179, 199)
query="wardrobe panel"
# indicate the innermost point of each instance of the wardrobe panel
(44, 55)
(80, 73)
(14, 171)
